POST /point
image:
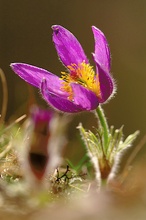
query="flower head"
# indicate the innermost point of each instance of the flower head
(39, 135)
(80, 88)
(42, 142)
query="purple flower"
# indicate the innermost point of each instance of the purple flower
(39, 153)
(43, 142)
(80, 88)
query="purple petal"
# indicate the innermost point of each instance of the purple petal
(106, 83)
(84, 97)
(34, 76)
(31, 74)
(68, 48)
(102, 52)
(58, 102)
(39, 115)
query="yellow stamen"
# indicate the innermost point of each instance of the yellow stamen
(83, 74)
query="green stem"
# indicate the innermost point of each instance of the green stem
(103, 123)
(5, 96)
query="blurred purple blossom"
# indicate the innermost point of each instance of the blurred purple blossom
(43, 140)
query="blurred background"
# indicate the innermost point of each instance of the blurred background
(26, 36)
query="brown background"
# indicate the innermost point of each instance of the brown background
(25, 36)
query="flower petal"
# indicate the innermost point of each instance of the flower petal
(31, 74)
(83, 97)
(39, 115)
(102, 52)
(106, 82)
(58, 102)
(34, 76)
(68, 48)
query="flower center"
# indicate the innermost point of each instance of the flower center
(82, 74)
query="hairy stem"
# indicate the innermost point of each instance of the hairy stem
(104, 126)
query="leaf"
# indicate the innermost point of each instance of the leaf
(93, 150)
(124, 160)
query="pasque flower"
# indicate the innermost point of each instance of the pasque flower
(80, 88)
(42, 142)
